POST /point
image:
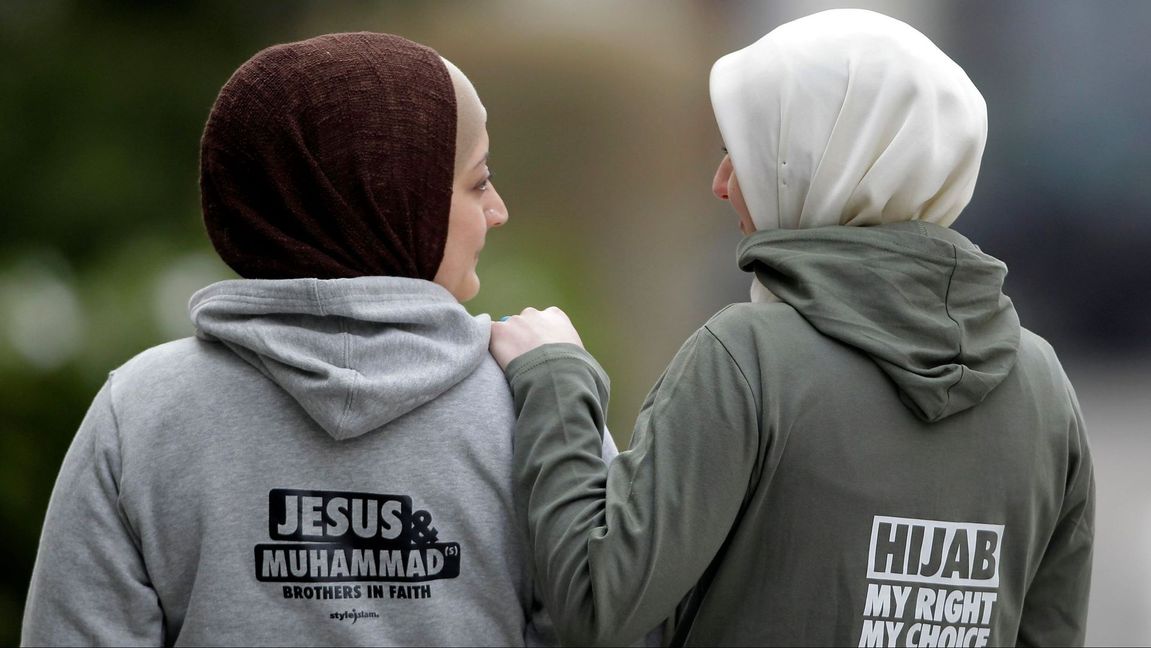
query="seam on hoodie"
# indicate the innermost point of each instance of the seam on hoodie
(116, 428)
(749, 488)
(245, 299)
(351, 396)
(120, 513)
(780, 153)
(947, 311)
(746, 382)
(315, 286)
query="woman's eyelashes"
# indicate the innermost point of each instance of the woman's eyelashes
(486, 182)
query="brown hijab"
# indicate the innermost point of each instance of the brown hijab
(331, 158)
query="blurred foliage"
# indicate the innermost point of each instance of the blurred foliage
(101, 106)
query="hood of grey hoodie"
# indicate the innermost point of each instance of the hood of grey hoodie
(922, 301)
(354, 353)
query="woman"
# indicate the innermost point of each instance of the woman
(328, 460)
(873, 452)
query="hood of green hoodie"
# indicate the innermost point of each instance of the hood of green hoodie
(922, 301)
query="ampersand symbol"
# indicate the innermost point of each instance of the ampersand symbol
(423, 534)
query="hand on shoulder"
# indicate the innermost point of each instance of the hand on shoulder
(518, 334)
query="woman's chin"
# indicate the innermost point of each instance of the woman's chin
(468, 290)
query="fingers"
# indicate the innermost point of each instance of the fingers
(532, 312)
(549, 312)
(515, 335)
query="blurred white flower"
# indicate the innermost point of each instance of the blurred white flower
(174, 287)
(43, 321)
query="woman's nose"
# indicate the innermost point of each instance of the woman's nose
(722, 177)
(496, 213)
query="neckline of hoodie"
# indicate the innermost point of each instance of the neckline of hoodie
(313, 297)
(840, 233)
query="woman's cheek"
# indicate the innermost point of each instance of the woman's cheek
(479, 231)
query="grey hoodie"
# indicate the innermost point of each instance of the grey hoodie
(884, 458)
(326, 462)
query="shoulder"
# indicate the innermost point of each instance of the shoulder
(168, 370)
(1033, 342)
(746, 326)
(487, 386)
(173, 357)
(747, 332)
(1037, 367)
(1037, 356)
(745, 316)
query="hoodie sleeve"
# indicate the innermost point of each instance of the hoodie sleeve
(89, 585)
(540, 631)
(615, 548)
(1055, 608)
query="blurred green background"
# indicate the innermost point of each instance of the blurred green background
(604, 146)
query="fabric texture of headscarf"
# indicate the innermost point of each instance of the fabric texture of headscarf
(330, 158)
(848, 117)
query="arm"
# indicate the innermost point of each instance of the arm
(540, 631)
(1055, 609)
(90, 586)
(616, 548)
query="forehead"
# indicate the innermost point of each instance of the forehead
(479, 152)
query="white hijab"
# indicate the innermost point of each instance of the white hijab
(848, 117)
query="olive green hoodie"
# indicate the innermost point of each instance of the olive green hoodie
(884, 457)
